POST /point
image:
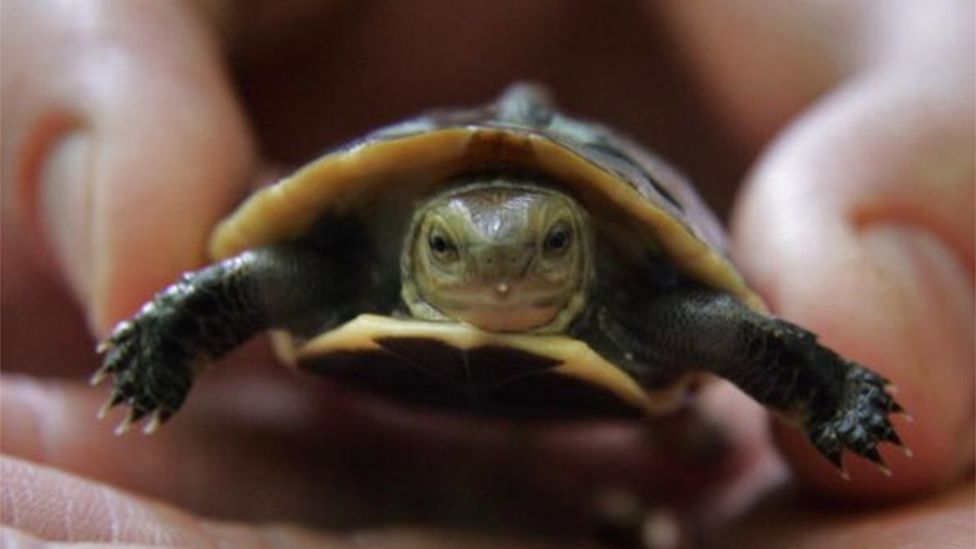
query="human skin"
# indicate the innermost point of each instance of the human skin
(855, 220)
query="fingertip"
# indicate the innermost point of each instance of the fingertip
(56, 507)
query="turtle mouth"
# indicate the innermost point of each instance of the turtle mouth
(499, 318)
(502, 307)
(524, 292)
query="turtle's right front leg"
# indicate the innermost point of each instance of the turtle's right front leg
(840, 404)
(154, 355)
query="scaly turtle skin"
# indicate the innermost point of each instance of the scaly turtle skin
(504, 260)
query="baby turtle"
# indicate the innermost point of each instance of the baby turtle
(505, 260)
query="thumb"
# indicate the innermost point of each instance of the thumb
(123, 143)
(858, 224)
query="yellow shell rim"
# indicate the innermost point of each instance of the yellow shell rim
(340, 180)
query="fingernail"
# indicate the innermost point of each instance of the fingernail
(66, 210)
(933, 310)
(930, 277)
(931, 294)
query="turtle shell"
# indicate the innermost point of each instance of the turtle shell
(634, 199)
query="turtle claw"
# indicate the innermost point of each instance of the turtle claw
(124, 426)
(874, 456)
(893, 438)
(150, 369)
(158, 418)
(114, 356)
(836, 457)
(135, 414)
(154, 422)
(859, 422)
(112, 402)
(99, 376)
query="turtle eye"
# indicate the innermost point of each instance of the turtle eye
(558, 239)
(442, 246)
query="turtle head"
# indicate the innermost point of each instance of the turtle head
(501, 255)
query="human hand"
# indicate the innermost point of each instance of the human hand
(857, 222)
(122, 155)
(193, 172)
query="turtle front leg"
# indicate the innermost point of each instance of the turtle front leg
(154, 355)
(839, 403)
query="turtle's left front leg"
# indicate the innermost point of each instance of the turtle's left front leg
(154, 356)
(839, 403)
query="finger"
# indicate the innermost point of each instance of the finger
(43, 324)
(942, 520)
(859, 225)
(59, 507)
(266, 448)
(762, 62)
(123, 143)
(41, 504)
(241, 452)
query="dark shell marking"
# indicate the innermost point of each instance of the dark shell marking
(483, 381)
